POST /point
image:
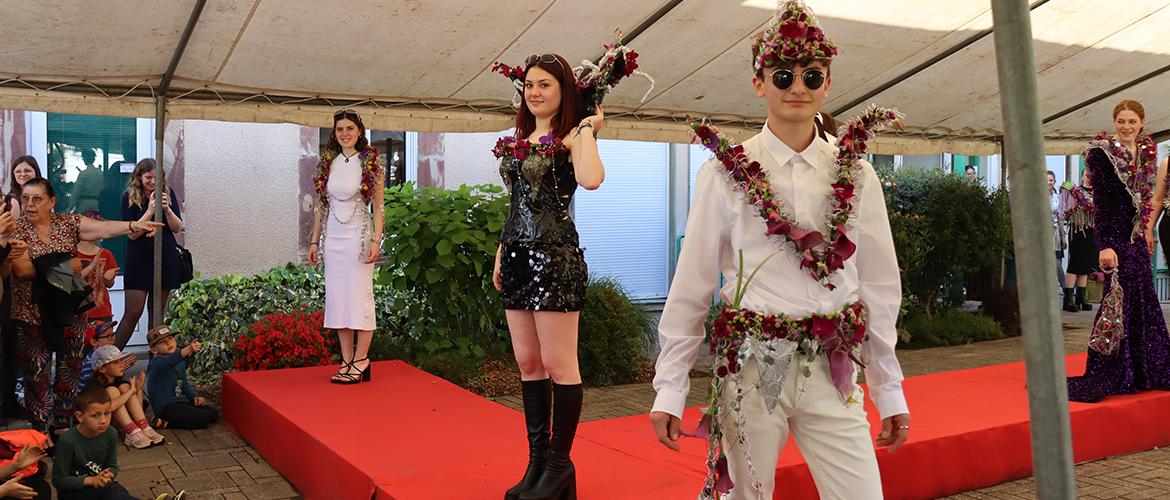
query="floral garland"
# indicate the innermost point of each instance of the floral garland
(370, 172)
(839, 335)
(750, 179)
(1137, 176)
(1080, 206)
(594, 81)
(511, 147)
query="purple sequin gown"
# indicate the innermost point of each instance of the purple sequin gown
(1143, 361)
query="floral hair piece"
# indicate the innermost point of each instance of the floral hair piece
(793, 34)
(594, 81)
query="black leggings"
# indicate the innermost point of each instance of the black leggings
(185, 415)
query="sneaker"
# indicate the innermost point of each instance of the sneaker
(159, 423)
(138, 440)
(155, 437)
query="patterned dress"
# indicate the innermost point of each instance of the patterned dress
(48, 402)
(1143, 360)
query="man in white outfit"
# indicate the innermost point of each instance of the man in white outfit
(798, 393)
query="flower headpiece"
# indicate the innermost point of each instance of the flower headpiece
(793, 34)
(594, 81)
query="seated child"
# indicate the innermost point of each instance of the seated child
(97, 334)
(125, 397)
(16, 484)
(87, 455)
(176, 405)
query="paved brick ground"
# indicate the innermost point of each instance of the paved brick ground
(214, 464)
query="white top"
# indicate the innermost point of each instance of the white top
(720, 224)
(345, 180)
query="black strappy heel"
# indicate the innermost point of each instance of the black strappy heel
(343, 376)
(352, 378)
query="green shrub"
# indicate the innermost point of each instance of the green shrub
(441, 247)
(943, 227)
(947, 328)
(218, 311)
(614, 334)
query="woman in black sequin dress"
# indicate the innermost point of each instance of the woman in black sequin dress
(540, 268)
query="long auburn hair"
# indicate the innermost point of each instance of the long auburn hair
(14, 187)
(361, 144)
(570, 113)
(138, 194)
(1131, 105)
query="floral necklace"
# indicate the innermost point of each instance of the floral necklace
(370, 171)
(511, 147)
(1137, 175)
(752, 181)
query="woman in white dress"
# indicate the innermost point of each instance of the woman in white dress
(349, 181)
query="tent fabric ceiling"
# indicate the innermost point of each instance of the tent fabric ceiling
(425, 65)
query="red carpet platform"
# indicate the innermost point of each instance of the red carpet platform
(409, 435)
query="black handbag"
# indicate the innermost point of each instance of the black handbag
(186, 265)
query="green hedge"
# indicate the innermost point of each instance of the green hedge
(947, 328)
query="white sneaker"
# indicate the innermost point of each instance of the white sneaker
(155, 438)
(138, 440)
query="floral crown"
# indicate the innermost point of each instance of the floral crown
(793, 34)
(594, 81)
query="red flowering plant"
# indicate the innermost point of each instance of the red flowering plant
(282, 340)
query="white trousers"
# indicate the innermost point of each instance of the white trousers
(832, 435)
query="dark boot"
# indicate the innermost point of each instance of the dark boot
(559, 481)
(1085, 305)
(537, 407)
(1068, 301)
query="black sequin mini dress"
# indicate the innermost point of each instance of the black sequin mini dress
(542, 266)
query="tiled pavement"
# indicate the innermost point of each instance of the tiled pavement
(214, 464)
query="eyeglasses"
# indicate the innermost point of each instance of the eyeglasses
(345, 111)
(813, 78)
(35, 200)
(544, 58)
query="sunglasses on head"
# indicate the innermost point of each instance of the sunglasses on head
(344, 112)
(544, 58)
(812, 78)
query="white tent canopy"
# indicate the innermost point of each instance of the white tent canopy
(425, 66)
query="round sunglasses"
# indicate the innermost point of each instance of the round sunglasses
(812, 78)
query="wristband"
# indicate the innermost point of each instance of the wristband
(130, 226)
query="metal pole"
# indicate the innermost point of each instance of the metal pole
(160, 111)
(1052, 457)
(159, 128)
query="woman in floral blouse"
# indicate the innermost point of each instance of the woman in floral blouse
(48, 233)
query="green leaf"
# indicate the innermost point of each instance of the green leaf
(443, 248)
(434, 275)
(447, 260)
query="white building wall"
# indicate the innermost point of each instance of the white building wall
(242, 195)
(469, 159)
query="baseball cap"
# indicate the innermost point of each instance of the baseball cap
(158, 333)
(107, 354)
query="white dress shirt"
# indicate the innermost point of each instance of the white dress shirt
(721, 223)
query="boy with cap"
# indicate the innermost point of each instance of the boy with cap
(176, 404)
(787, 344)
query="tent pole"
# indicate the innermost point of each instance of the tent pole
(1052, 457)
(160, 112)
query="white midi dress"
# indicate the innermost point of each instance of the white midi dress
(349, 281)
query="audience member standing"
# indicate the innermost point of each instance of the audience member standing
(138, 204)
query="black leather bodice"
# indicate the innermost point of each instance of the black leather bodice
(541, 189)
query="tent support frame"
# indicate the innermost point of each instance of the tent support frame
(1052, 454)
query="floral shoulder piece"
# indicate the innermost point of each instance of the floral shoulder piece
(1138, 175)
(512, 147)
(372, 173)
(821, 254)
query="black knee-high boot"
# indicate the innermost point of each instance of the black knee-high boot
(559, 481)
(537, 396)
(1085, 305)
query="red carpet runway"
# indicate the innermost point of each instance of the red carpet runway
(409, 435)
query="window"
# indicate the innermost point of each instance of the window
(84, 157)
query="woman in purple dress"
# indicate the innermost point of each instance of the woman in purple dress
(1123, 172)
